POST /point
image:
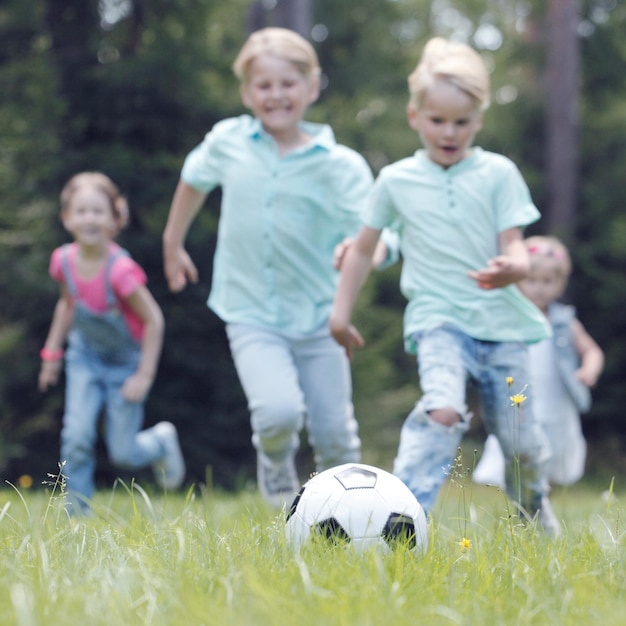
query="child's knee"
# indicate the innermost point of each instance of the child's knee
(446, 416)
(276, 417)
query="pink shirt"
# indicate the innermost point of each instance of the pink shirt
(125, 277)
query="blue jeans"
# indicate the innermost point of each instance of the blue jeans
(92, 385)
(290, 381)
(447, 360)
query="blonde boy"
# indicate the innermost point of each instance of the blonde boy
(460, 211)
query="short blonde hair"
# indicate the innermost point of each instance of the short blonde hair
(456, 63)
(281, 43)
(549, 252)
(119, 205)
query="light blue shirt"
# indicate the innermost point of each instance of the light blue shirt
(281, 218)
(449, 220)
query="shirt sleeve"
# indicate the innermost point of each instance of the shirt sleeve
(354, 185)
(126, 277)
(380, 211)
(515, 207)
(55, 268)
(202, 168)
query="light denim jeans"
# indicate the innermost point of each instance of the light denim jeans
(102, 354)
(93, 384)
(447, 360)
(292, 381)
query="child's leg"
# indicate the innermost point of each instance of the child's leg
(522, 440)
(84, 398)
(128, 446)
(326, 381)
(427, 447)
(268, 375)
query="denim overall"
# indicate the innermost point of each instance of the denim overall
(102, 354)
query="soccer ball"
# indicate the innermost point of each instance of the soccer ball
(359, 505)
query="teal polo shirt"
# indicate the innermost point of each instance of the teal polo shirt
(449, 220)
(281, 218)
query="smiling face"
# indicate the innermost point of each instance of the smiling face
(278, 94)
(447, 122)
(89, 217)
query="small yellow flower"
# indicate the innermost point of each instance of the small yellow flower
(509, 380)
(465, 544)
(518, 398)
(25, 481)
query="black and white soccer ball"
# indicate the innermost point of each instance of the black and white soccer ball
(359, 505)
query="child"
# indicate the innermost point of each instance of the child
(114, 329)
(460, 211)
(561, 370)
(290, 195)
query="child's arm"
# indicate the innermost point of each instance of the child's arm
(178, 266)
(591, 355)
(355, 269)
(53, 348)
(137, 385)
(510, 266)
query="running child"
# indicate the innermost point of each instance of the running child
(114, 329)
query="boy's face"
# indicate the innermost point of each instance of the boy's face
(278, 94)
(447, 122)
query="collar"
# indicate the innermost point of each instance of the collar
(322, 135)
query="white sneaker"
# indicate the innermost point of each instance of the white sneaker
(278, 482)
(546, 519)
(169, 472)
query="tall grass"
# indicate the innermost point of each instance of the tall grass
(209, 558)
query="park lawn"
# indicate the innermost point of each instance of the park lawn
(204, 558)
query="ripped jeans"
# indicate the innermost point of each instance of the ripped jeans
(447, 360)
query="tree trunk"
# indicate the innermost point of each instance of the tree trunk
(562, 115)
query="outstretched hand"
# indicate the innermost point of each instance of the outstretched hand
(501, 271)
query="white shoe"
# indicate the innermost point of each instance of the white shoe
(169, 472)
(546, 519)
(490, 468)
(278, 482)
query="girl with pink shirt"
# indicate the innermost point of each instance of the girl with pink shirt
(114, 330)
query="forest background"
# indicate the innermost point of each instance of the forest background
(128, 87)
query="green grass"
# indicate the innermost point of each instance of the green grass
(217, 559)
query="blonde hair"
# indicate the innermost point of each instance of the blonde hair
(281, 43)
(548, 252)
(456, 63)
(119, 205)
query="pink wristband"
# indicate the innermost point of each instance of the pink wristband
(51, 355)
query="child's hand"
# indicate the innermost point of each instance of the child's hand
(340, 252)
(500, 272)
(136, 387)
(49, 374)
(347, 336)
(179, 268)
(588, 376)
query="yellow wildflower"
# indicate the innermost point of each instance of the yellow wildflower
(509, 380)
(465, 544)
(25, 481)
(518, 398)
